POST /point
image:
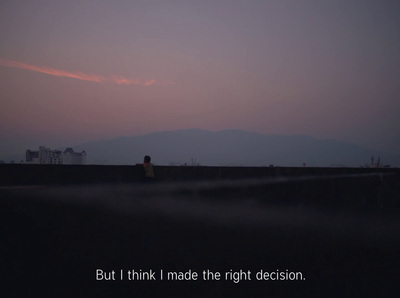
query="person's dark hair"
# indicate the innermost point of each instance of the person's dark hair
(147, 158)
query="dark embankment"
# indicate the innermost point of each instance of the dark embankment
(339, 233)
(26, 174)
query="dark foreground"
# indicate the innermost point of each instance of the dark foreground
(56, 238)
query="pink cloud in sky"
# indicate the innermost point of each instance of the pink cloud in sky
(76, 75)
(122, 80)
(53, 71)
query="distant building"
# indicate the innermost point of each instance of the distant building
(69, 157)
(48, 156)
(55, 157)
(32, 157)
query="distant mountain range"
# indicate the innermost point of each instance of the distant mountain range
(230, 148)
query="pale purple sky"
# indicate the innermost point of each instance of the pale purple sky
(77, 71)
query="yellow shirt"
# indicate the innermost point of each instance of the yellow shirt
(148, 170)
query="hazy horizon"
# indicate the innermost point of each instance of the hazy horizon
(35, 144)
(225, 148)
(75, 72)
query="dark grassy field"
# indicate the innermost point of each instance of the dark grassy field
(55, 238)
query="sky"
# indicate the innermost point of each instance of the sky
(78, 71)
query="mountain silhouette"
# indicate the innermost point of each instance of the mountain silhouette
(228, 148)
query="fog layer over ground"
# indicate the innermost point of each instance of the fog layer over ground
(57, 237)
